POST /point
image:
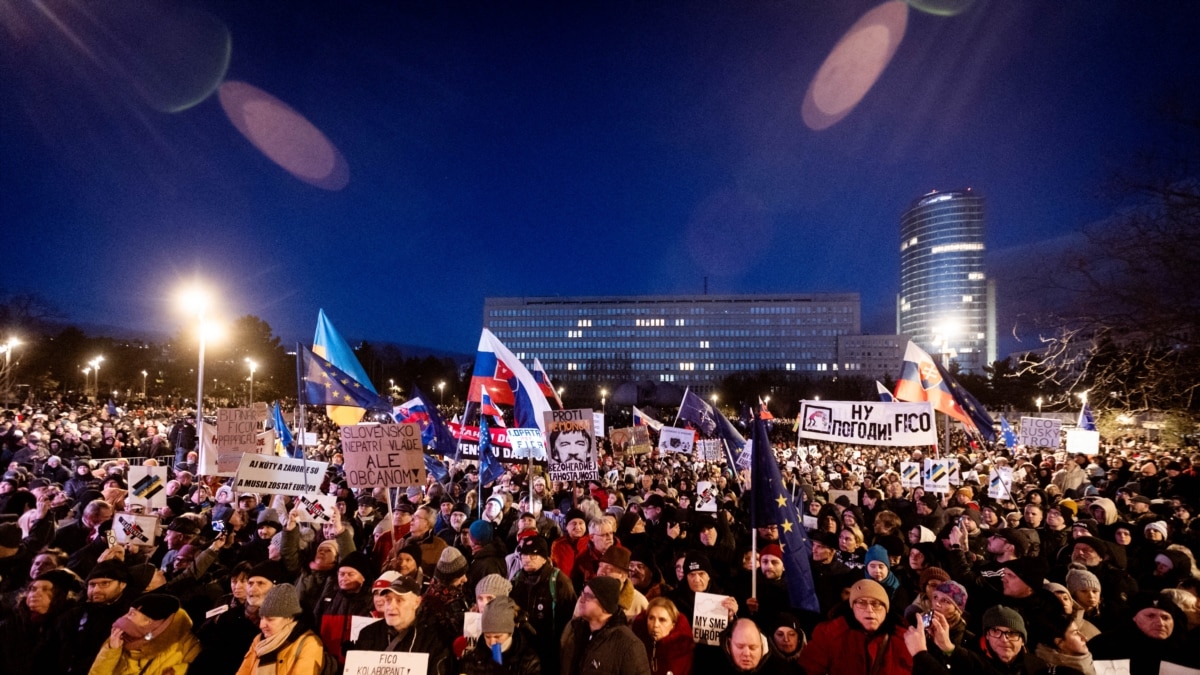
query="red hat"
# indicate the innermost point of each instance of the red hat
(771, 549)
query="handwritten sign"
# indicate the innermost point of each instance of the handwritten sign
(572, 445)
(278, 475)
(383, 455)
(385, 663)
(1040, 432)
(709, 619)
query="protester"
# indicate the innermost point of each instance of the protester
(286, 645)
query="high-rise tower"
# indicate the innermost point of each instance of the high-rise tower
(947, 304)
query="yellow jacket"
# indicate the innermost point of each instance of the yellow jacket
(167, 654)
(302, 656)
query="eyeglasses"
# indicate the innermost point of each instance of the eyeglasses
(873, 605)
(1010, 635)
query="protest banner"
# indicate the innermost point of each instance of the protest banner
(910, 474)
(316, 508)
(278, 475)
(135, 528)
(264, 442)
(937, 475)
(598, 425)
(1040, 432)
(383, 455)
(708, 449)
(709, 619)
(472, 625)
(527, 442)
(674, 439)
(572, 447)
(362, 662)
(1000, 482)
(890, 424)
(236, 434)
(955, 473)
(147, 487)
(1083, 441)
(743, 458)
(641, 441)
(706, 496)
(261, 411)
(620, 438)
(357, 623)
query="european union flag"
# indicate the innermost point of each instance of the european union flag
(322, 383)
(773, 505)
(711, 422)
(1010, 437)
(1086, 420)
(489, 465)
(284, 434)
(970, 405)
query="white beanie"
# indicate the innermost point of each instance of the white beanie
(1159, 526)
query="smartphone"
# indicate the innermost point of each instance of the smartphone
(927, 619)
(218, 526)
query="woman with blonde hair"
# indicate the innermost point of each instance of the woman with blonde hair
(286, 645)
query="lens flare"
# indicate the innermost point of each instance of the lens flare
(941, 7)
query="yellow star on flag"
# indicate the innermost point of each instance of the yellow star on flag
(781, 501)
(787, 526)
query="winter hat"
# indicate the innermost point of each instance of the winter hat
(1158, 526)
(608, 593)
(385, 580)
(1032, 571)
(500, 615)
(697, 562)
(932, 574)
(481, 532)
(1164, 560)
(157, 606)
(277, 540)
(877, 553)
(400, 585)
(1000, 616)
(63, 579)
(450, 565)
(869, 588)
(269, 517)
(826, 539)
(359, 562)
(1080, 579)
(271, 570)
(956, 592)
(773, 550)
(329, 543)
(572, 515)
(618, 556)
(536, 546)
(493, 584)
(110, 569)
(282, 601)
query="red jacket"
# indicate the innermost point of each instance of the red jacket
(671, 654)
(841, 647)
(563, 553)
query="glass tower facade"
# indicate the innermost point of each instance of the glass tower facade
(693, 340)
(947, 303)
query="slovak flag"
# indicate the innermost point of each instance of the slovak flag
(544, 383)
(507, 382)
(923, 379)
(763, 413)
(486, 407)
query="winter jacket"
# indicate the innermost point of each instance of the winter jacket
(419, 637)
(301, 654)
(224, 639)
(612, 650)
(673, 653)
(520, 659)
(548, 610)
(333, 613)
(80, 632)
(564, 551)
(169, 653)
(841, 646)
(977, 660)
(25, 640)
(487, 559)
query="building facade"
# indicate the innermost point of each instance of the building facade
(947, 302)
(690, 340)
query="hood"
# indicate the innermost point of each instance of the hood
(179, 629)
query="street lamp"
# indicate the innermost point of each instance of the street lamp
(86, 372)
(253, 366)
(442, 393)
(144, 374)
(195, 301)
(95, 364)
(604, 400)
(1039, 401)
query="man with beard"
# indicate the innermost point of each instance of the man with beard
(598, 639)
(82, 630)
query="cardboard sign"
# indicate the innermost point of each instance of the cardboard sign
(889, 424)
(706, 496)
(708, 449)
(910, 474)
(383, 455)
(147, 486)
(278, 475)
(572, 447)
(1000, 482)
(135, 528)
(527, 442)
(316, 508)
(235, 435)
(1083, 441)
(674, 439)
(937, 475)
(598, 424)
(709, 619)
(357, 623)
(1040, 432)
(385, 663)
(641, 441)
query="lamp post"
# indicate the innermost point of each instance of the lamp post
(441, 393)
(604, 400)
(6, 381)
(195, 301)
(144, 374)
(95, 364)
(253, 366)
(1039, 401)
(86, 372)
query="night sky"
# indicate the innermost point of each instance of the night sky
(542, 148)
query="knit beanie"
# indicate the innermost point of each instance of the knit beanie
(1032, 571)
(110, 569)
(493, 584)
(932, 574)
(608, 593)
(500, 615)
(1158, 526)
(773, 550)
(481, 532)
(877, 553)
(572, 515)
(282, 601)
(956, 592)
(271, 570)
(999, 616)
(869, 588)
(358, 561)
(1080, 579)
(450, 565)
(157, 606)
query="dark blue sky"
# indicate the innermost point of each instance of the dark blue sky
(553, 148)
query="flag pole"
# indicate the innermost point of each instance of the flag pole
(300, 400)
(680, 411)
(753, 521)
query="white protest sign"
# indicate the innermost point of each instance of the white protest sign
(261, 411)
(709, 449)
(527, 442)
(674, 439)
(910, 474)
(598, 424)
(709, 619)
(264, 442)
(706, 496)
(572, 446)
(1121, 667)
(472, 625)
(385, 663)
(937, 475)
(746, 456)
(1166, 668)
(236, 434)
(135, 528)
(278, 475)
(310, 439)
(147, 486)
(1039, 432)
(1083, 441)
(383, 455)
(1000, 482)
(316, 508)
(955, 473)
(357, 623)
(890, 424)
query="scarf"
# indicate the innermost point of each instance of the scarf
(1082, 663)
(133, 634)
(268, 645)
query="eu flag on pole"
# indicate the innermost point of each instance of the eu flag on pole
(1086, 421)
(711, 422)
(322, 383)
(283, 433)
(489, 466)
(773, 505)
(1006, 431)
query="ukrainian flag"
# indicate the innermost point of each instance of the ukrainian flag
(329, 345)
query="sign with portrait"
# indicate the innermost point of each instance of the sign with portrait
(572, 446)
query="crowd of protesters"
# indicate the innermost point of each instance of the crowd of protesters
(1085, 559)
